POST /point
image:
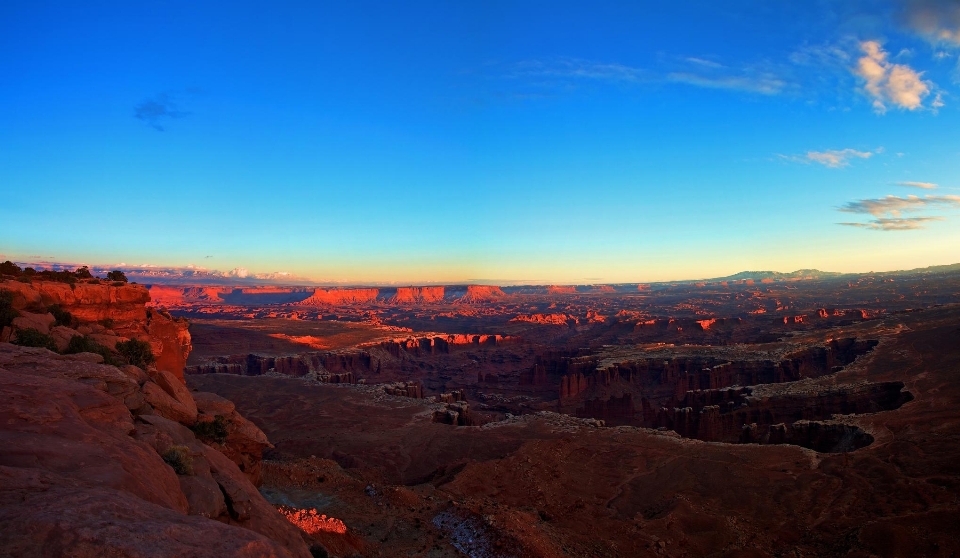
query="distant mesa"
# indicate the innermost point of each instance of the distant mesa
(341, 296)
(562, 289)
(417, 295)
(482, 293)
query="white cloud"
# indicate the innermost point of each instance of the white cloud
(924, 185)
(240, 272)
(836, 159)
(833, 158)
(888, 83)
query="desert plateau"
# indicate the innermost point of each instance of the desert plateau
(764, 415)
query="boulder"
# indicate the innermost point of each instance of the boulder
(212, 404)
(62, 336)
(39, 322)
(167, 406)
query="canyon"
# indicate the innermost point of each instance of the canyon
(755, 415)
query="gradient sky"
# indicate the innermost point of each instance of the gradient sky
(548, 142)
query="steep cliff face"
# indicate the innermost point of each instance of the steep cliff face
(340, 296)
(88, 302)
(417, 295)
(109, 312)
(170, 340)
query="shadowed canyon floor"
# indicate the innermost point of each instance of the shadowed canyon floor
(661, 432)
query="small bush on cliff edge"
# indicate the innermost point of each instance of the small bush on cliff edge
(63, 317)
(10, 268)
(211, 431)
(83, 344)
(179, 458)
(31, 337)
(7, 312)
(137, 353)
(116, 275)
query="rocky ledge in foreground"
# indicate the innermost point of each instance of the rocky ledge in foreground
(99, 460)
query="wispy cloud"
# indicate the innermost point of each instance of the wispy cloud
(575, 68)
(937, 20)
(894, 205)
(895, 223)
(924, 185)
(887, 211)
(696, 71)
(764, 84)
(833, 158)
(888, 83)
(158, 110)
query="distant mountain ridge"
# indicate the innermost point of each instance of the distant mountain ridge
(798, 274)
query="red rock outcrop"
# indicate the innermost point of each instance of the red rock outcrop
(88, 302)
(404, 389)
(547, 319)
(418, 295)
(165, 295)
(340, 296)
(122, 307)
(170, 340)
(562, 289)
(82, 470)
(482, 293)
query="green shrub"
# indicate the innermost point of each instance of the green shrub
(10, 268)
(63, 317)
(117, 275)
(84, 344)
(29, 271)
(31, 337)
(136, 352)
(7, 312)
(83, 273)
(212, 431)
(61, 276)
(179, 458)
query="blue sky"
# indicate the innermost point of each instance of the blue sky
(509, 141)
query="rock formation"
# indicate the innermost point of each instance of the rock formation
(114, 312)
(418, 295)
(482, 293)
(340, 296)
(99, 460)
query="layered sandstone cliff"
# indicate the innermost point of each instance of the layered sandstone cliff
(419, 295)
(340, 296)
(109, 312)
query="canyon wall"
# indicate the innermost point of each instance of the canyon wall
(108, 312)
